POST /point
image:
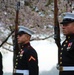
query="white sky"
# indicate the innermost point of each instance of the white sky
(47, 55)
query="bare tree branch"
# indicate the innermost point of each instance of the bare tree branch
(7, 49)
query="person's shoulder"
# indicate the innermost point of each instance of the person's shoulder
(31, 49)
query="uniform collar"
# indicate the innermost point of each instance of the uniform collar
(25, 45)
(70, 36)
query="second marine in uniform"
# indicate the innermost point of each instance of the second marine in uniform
(67, 49)
(27, 59)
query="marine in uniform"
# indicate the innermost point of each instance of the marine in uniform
(27, 59)
(67, 49)
(1, 65)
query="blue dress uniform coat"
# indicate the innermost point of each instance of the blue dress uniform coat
(67, 56)
(26, 61)
(1, 66)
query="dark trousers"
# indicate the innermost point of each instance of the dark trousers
(66, 73)
(17, 74)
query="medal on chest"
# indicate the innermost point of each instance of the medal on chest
(21, 53)
(69, 46)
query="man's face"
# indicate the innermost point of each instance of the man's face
(22, 39)
(68, 28)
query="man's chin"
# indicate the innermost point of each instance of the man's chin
(65, 34)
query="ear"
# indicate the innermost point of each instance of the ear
(28, 36)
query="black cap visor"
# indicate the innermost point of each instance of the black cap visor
(20, 33)
(67, 21)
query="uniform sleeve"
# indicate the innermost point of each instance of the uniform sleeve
(33, 63)
(1, 66)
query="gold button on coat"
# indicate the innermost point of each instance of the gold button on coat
(61, 53)
(16, 63)
(64, 44)
(60, 62)
(60, 57)
(61, 48)
(66, 41)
